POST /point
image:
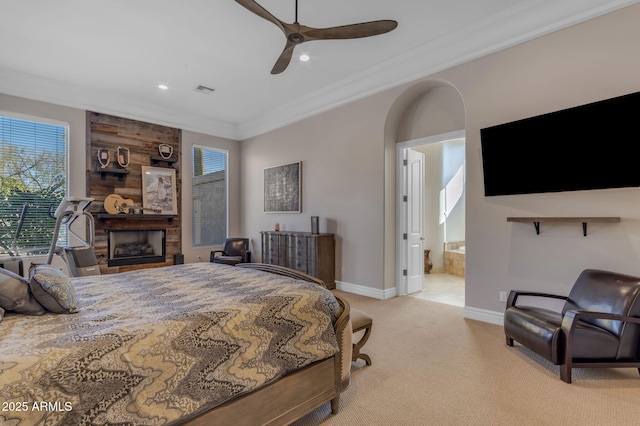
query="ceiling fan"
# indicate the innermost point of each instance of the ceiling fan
(297, 33)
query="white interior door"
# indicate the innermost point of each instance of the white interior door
(415, 220)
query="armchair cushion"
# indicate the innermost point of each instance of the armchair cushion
(537, 329)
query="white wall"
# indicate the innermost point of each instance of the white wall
(345, 150)
(189, 139)
(342, 175)
(585, 63)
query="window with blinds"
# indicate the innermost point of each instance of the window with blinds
(209, 195)
(33, 181)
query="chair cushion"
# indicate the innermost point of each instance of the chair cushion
(228, 260)
(537, 329)
(591, 343)
(359, 319)
(604, 291)
(540, 330)
(611, 292)
(235, 246)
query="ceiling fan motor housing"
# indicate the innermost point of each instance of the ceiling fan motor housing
(296, 38)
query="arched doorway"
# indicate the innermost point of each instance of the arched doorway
(427, 112)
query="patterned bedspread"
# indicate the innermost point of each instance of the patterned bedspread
(154, 346)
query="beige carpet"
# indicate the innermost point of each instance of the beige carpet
(433, 367)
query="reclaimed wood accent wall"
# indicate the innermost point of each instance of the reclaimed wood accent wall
(142, 139)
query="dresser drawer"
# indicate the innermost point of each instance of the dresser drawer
(273, 240)
(298, 264)
(297, 242)
(297, 252)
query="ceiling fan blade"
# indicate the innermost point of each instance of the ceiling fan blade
(365, 29)
(285, 58)
(254, 7)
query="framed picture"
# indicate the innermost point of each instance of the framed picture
(282, 188)
(159, 190)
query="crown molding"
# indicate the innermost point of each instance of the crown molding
(28, 86)
(514, 25)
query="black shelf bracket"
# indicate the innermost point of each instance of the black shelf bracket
(583, 220)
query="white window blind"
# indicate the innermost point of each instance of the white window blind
(33, 181)
(209, 195)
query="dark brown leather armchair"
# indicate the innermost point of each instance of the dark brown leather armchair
(599, 325)
(234, 251)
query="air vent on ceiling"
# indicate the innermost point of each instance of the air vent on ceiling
(204, 89)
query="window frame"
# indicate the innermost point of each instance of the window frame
(226, 194)
(67, 161)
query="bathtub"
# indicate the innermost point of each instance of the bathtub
(454, 253)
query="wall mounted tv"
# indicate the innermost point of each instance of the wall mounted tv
(593, 146)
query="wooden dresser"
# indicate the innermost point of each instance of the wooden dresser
(313, 254)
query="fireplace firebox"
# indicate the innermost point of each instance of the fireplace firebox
(136, 246)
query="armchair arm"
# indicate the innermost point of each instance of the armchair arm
(571, 318)
(213, 254)
(514, 294)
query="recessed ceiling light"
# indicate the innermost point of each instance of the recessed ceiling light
(304, 57)
(163, 86)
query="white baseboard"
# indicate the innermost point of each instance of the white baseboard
(483, 315)
(366, 291)
(477, 314)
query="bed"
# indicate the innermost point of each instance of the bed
(195, 344)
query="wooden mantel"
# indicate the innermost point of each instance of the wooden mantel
(583, 220)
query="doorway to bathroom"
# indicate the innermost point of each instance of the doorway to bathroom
(440, 271)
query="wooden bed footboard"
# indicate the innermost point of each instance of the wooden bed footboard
(282, 270)
(294, 395)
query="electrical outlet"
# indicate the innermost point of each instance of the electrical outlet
(503, 296)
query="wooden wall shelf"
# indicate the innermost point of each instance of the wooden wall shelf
(159, 161)
(583, 220)
(104, 216)
(121, 173)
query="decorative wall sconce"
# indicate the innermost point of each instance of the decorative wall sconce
(123, 156)
(166, 151)
(103, 157)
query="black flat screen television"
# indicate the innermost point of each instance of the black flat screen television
(593, 146)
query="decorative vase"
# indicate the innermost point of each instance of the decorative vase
(428, 265)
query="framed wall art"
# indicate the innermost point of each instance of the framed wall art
(283, 188)
(159, 189)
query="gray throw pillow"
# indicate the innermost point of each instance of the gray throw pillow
(15, 295)
(53, 289)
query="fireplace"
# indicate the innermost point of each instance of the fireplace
(136, 246)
